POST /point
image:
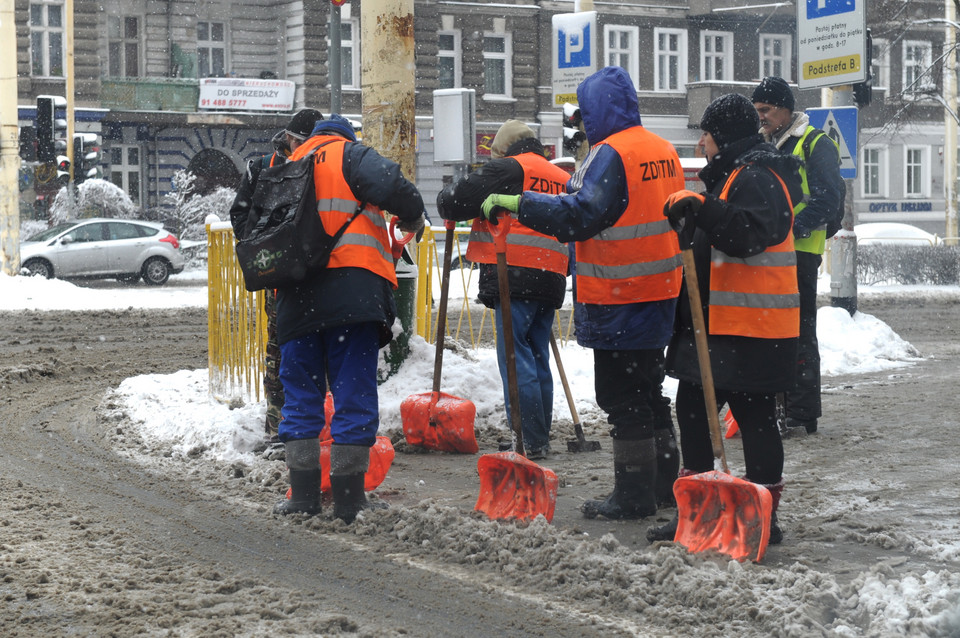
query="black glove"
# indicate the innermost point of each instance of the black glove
(412, 225)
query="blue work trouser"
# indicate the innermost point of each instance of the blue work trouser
(532, 323)
(347, 356)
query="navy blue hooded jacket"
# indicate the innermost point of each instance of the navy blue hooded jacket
(599, 196)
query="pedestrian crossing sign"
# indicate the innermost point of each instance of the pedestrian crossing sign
(840, 123)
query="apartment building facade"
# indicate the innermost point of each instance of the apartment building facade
(143, 68)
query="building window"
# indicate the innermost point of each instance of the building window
(916, 174)
(716, 56)
(211, 49)
(125, 169)
(123, 48)
(880, 68)
(670, 60)
(775, 56)
(917, 60)
(46, 39)
(621, 48)
(349, 53)
(873, 172)
(448, 59)
(497, 65)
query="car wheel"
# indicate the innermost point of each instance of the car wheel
(40, 267)
(156, 271)
(129, 279)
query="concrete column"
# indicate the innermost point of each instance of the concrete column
(387, 81)
(9, 143)
(843, 254)
(950, 122)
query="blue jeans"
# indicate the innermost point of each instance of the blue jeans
(532, 323)
(347, 356)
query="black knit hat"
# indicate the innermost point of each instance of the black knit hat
(729, 118)
(775, 91)
(303, 122)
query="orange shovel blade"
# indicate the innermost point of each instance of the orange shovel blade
(513, 486)
(439, 421)
(723, 513)
(732, 426)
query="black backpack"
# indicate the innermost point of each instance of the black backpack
(836, 223)
(288, 244)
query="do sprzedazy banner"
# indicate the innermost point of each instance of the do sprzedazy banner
(246, 94)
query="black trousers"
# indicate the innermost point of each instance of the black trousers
(756, 416)
(629, 387)
(804, 401)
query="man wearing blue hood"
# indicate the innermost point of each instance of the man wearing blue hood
(627, 279)
(332, 327)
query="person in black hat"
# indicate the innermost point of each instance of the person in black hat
(820, 208)
(739, 230)
(284, 143)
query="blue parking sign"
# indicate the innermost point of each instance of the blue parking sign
(825, 8)
(574, 47)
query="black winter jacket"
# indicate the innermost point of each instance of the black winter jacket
(755, 216)
(461, 202)
(345, 296)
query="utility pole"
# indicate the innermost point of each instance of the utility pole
(336, 70)
(9, 143)
(843, 253)
(950, 123)
(68, 88)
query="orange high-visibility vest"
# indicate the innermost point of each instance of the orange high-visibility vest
(755, 296)
(638, 258)
(525, 246)
(365, 244)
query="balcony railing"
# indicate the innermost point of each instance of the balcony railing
(150, 94)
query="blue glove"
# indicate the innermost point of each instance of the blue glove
(493, 203)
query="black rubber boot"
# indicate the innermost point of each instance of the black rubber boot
(664, 532)
(668, 465)
(634, 483)
(303, 459)
(304, 494)
(348, 496)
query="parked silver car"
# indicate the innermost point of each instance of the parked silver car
(103, 248)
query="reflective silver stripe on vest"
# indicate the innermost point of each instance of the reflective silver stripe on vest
(338, 205)
(785, 258)
(365, 241)
(628, 271)
(754, 300)
(636, 231)
(519, 239)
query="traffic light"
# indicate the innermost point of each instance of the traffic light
(46, 151)
(28, 144)
(86, 157)
(573, 137)
(63, 170)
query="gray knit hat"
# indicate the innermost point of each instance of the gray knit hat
(509, 134)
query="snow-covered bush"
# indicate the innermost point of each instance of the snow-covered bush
(908, 265)
(190, 210)
(93, 198)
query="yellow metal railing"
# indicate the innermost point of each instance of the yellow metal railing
(237, 325)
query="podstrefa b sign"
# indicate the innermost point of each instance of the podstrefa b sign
(574, 53)
(831, 42)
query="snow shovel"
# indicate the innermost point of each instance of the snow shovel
(715, 510)
(436, 420)
(580, 444)
(397, 243)
(510, 484)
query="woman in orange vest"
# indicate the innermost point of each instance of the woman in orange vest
(740, 231)
(537, 269)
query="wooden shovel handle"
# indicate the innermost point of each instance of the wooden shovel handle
(703, 355)
(566, 384)
(499, 232)
(442, 311)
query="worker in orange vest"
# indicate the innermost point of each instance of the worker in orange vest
(537, 270)
(626, 281)
(740, 234)
(333, 325)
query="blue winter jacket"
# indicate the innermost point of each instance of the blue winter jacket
(597, 198)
